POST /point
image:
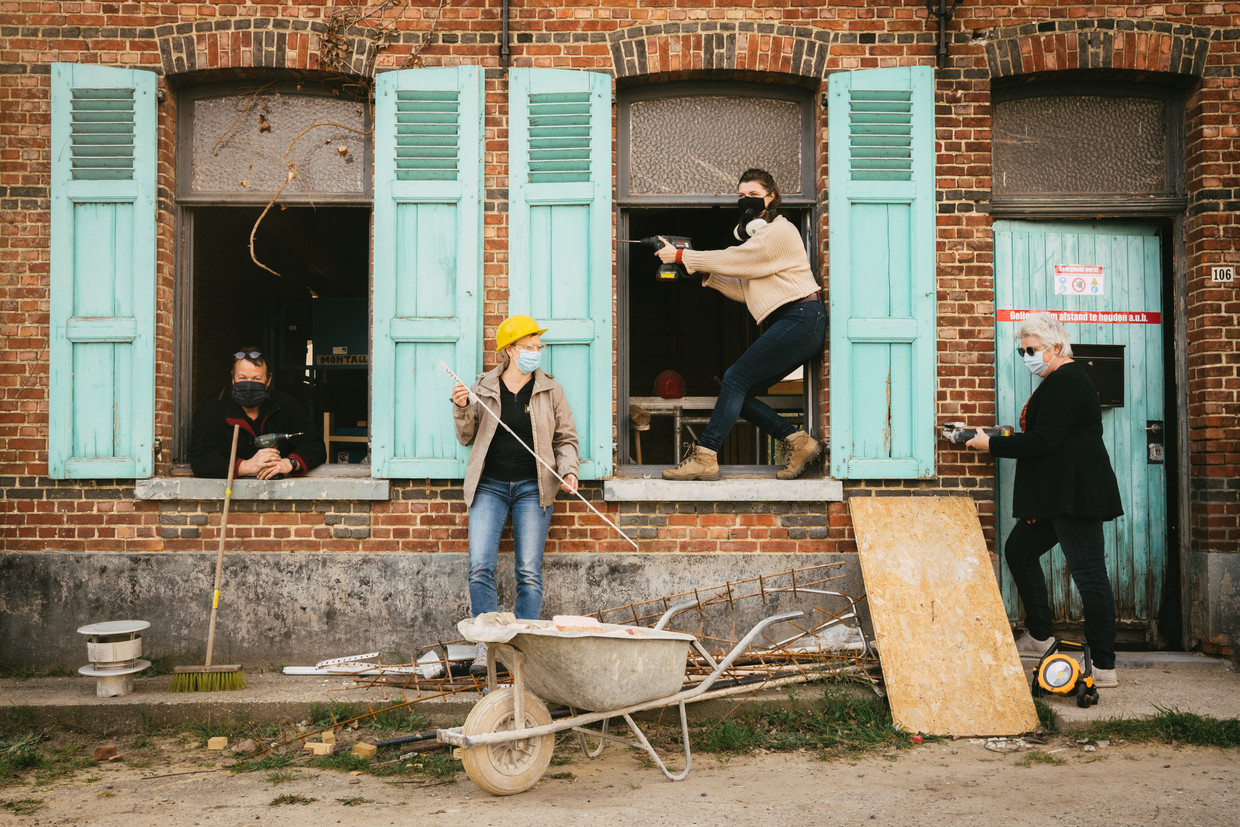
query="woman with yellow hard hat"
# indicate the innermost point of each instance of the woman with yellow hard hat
(502, 477)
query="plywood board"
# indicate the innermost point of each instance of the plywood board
(944, 641)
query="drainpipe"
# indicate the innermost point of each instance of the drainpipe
(504, 51)
(944, 14)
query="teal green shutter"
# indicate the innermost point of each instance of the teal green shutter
(101, 363)
(882, 267)
(559, 238)
(427, 265)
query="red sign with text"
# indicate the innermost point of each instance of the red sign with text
(1086, 316)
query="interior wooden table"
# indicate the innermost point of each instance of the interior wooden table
(681, 411)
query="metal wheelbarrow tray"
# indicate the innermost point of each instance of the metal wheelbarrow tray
(611, 672)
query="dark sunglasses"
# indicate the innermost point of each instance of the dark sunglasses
(251, 355)
(1030, 351)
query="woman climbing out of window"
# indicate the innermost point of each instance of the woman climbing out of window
(769, 271)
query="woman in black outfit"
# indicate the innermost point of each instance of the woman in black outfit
(1064, 491)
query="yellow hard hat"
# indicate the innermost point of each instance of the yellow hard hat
(514, 328)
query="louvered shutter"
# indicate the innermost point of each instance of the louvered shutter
(101, 405)
(559, 238)
(427, 265)
(882, 272)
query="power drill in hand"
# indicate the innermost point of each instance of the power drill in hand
(957, 433)
(273, 440)
(666, 272)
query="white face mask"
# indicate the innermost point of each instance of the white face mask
(1035, 364)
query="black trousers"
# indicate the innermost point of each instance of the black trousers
(1082, 542)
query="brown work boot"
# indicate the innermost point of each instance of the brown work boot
(699, 464)
(802, 450)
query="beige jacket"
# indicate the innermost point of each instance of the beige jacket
(555, 434)
(766, 272)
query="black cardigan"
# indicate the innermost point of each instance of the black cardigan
(1062, 466)
(280, 414)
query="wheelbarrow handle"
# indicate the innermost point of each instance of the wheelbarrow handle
(722, 666)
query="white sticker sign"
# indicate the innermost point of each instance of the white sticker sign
(1223, 275)
(1078, 280)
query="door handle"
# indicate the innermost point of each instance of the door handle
(1154, 451)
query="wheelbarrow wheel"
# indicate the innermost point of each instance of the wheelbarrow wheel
(511, 766)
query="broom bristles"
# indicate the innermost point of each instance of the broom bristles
(207, 682)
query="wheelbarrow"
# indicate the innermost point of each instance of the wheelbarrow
(599, 673)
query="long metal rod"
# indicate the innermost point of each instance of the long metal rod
(542, 461)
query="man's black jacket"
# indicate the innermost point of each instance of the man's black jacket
(280, 414)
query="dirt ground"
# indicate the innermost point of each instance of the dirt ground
(959, 782)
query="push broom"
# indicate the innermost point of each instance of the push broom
(208, 678)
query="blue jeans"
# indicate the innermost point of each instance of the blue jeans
(793, 336)
(1082, 542)
(493, 501)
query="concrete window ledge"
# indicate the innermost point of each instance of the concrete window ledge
(319, 484)
(740, 484)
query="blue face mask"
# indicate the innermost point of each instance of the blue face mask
(1035, 364)
(529, 360)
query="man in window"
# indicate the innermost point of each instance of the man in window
(276, 437)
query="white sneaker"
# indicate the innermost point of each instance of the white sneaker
(479, 667)
(1105, 678)
(1028, 646)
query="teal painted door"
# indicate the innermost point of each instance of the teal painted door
(427, 265)
(1126, 310)
(559, 239)
(101, 405)
(882, 274)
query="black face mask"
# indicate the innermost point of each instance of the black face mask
(748, 208)
(250, 394)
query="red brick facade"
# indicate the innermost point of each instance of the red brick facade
(797, 42)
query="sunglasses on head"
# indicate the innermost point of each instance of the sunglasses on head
(1030, 351)
(251, 355)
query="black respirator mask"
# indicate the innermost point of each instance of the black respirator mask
(250, 394)
(748, 208)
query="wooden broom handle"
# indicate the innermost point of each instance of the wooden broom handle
(219, 558)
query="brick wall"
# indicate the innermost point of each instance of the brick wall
(655, 41)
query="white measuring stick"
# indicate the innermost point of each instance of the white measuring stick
(543, 462)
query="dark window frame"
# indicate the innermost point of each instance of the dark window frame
(806, 202)
(185, 202)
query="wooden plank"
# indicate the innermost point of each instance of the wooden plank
(947, 652)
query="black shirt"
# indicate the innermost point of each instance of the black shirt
(506, 459)
(1062, 465)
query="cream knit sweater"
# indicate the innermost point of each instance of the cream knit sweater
(766, 272)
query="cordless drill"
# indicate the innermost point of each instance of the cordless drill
(956, 432)
(666, 272)
(273, 440)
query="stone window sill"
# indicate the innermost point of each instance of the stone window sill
(740, 483)
(327, 482)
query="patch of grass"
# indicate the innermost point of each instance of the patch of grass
(1039, 756)
(437, 765)
(351, 802)
(730, 736)
(23, 806)
(398, 717)
(16, 720)
(279, 777)
(20, 753)
(341, 762)
(1048, 718)
(290, 799)
(1170, 726)
(399, 720)
(842, 723)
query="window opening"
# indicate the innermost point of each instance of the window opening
(312, 320)
(698, 333)
(302, 295)
(682, 149)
